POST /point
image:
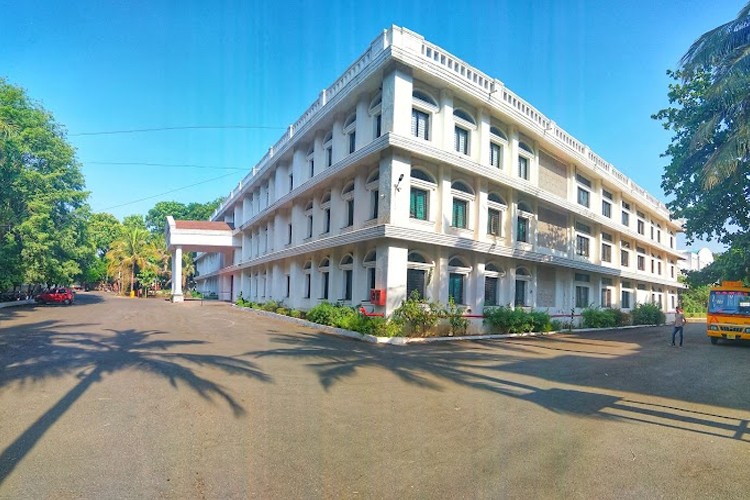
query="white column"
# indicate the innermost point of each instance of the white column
(177, 275)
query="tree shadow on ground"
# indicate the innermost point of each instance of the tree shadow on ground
(37, 352)
(567, 375)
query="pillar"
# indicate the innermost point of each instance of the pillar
(177, 275)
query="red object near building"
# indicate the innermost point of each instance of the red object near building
(377, 297)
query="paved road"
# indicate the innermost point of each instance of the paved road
(128, 398)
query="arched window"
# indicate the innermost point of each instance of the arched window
(422, 185)
(324, 268)
(346, 260)
(458, 271)
(424, 98)
(376, 103)
(350, 131)
(423, 105)
(492, 275)
(326, 198)
(523, 223)
(348, 188)
(525, 147)
(462, 187)
(369, 263)
(307, 269)
(463, 195)
(370, 258)
(495, 198)
(375, 112)
(523, 276)
(373, 177)
(498, 134)
(328, 148)
(417, 269)
(464, 115)
(421, 175)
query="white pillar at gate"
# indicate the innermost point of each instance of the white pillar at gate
(177, 275)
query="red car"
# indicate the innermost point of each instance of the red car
(56, 296)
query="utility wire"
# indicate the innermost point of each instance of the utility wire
(160, 129)
(165, 165)
(167, 192)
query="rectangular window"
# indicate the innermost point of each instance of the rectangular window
(288, 285)
(520, 296)
(329, 156)
(585, 278)
(309, 226)
(325, 276)
(291, 182)
(495, 154)
(606, 194)
(606, 237)
(349, 212)
(625, 299)
(641, 263)
(311, 164)
(522, 229)
(490, 291)
(459, 213)
(624, 258)
(493, 222)
(606, 209)
(352, 142)
(418, 204)
(289, 235)
(583, 197)
(626, 206)
(378, 126)
(582, 296)
(456, 287)
(658, 268)
(375, 195)
(626, 219)
(327, 220)
(582, 245)
(420, 124)
(523, 167)
(606, 297)
(606, 252)
(461, 140)
(348, 284)
(641, 227)
(415, 281)
(370, 280)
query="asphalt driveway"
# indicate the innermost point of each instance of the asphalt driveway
(129, 398)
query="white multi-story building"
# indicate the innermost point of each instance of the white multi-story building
(416, 171)
(695, 261)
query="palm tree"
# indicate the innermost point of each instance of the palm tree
(132, 251)
(725, 52)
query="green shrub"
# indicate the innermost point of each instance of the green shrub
(295, 313)
(540, 321)
(648, 314)
(382, 327)
(595, 317)
(622, 318)
(508, 319)
(282, 310)
(416, 316)
(329, 314)
(457, 322)
(557, 325)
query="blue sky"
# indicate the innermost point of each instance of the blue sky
(596, 68)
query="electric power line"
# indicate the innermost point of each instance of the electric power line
(167, 192)
(160, 129)
(165, 165)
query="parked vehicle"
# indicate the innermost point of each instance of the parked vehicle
(56, 296)
(728, 312)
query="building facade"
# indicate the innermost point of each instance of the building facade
(417, 172)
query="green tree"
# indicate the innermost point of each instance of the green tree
(103, 229)
(131, 253)
(42, 197)
(156, 218)
(724, 52)
(710, 116)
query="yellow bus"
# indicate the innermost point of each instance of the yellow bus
(728, 314)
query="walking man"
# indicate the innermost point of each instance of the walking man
(679, 323)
